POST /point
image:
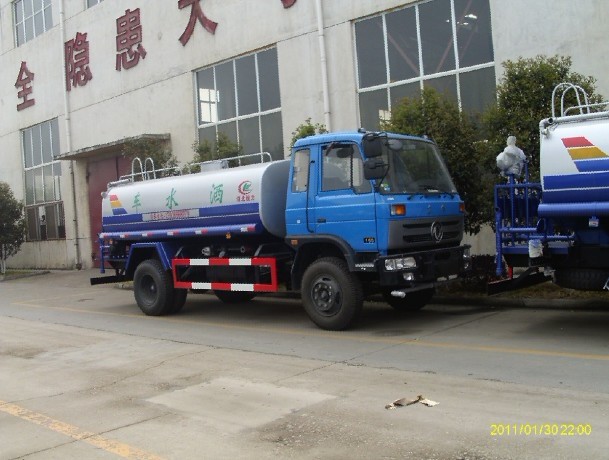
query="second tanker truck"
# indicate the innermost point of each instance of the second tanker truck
(348, 216)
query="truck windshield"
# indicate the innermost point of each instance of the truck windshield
(415, 166)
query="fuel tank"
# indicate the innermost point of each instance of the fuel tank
(249, 197)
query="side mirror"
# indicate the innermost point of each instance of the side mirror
(372, 145)
(375, 168)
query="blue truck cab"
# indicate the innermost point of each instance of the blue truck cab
(387, 202)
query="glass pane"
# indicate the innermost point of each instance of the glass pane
(49, 184)
(446, 86)
(225, 83)
(32, 224)
(42, 222)
(208, 108)
(48, 17)
(477, 90)
(436, 37)
(29, 28)
(249, 136)
(370, 46)
(51, 218)
(474, 38)
(208, 135)
(402, 45)
(27, 8)
(300, 178)
(247, 92)
(38, 186)
(36, 145)
(272, 135)
(18, 11)
(20, 34)
(61, 221)
(38, 23)
(47, 149)
(57, 179)
(230, 129)
(27, 148)
(268, 80)
(29, 187)
(397, 93)
(373, 107)
(37, 6)
(55, 137)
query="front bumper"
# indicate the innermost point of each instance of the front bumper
(431, 265)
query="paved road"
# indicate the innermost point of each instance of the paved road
(85, 375)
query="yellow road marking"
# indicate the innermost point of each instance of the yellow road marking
(109, 445)
(342, 335)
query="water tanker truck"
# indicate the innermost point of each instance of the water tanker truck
(559, 228)
(349, 216)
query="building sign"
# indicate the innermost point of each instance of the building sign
(129, 47)
(78, 72)
(196, 14)
(24, 84)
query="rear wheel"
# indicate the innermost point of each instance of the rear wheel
(332, 296)
(413, 301)
(153, 288)
(583, 279)
(179, 299)
(234, 296)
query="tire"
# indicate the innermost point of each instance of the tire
(179, 299)
(414, 301)
(332, 296)
(153, 288)
(234, 296)
(582, 279)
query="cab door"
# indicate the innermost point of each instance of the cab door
(344, 201)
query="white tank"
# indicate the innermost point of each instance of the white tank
(574, 162)
(253, 195)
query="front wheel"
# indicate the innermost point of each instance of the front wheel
(413, 301)
(153, 288)
(332, 295)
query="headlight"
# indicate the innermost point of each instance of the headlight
(400, 264)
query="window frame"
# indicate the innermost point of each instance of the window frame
(20, 26)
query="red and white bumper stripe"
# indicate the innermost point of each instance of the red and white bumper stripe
(223, 286)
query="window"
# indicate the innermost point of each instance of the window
(343, 169)
(32, 18)
(300, 178)
(44, 208)
(91, 3)
(444, 44)
(240, 98)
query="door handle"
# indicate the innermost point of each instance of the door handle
(321, 220)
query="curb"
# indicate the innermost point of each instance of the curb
(23, 275)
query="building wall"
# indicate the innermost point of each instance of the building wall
(157, 96)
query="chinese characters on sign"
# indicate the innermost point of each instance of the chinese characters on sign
(129, 47)
(24, 84)
(78, 72)
(288, 3)
(196, 14)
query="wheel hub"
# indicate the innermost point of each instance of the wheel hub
(326, 296)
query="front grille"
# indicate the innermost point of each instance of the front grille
(417, 233)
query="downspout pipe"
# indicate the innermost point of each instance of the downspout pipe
(323, 62)
(68, 132)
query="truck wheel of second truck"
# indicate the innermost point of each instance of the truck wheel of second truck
(332, 296)
(153, 288)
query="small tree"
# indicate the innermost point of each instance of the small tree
(12, 225)
(467, 160)
(157, 150)
(524, 98)
(307, 129)
(207, 151)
